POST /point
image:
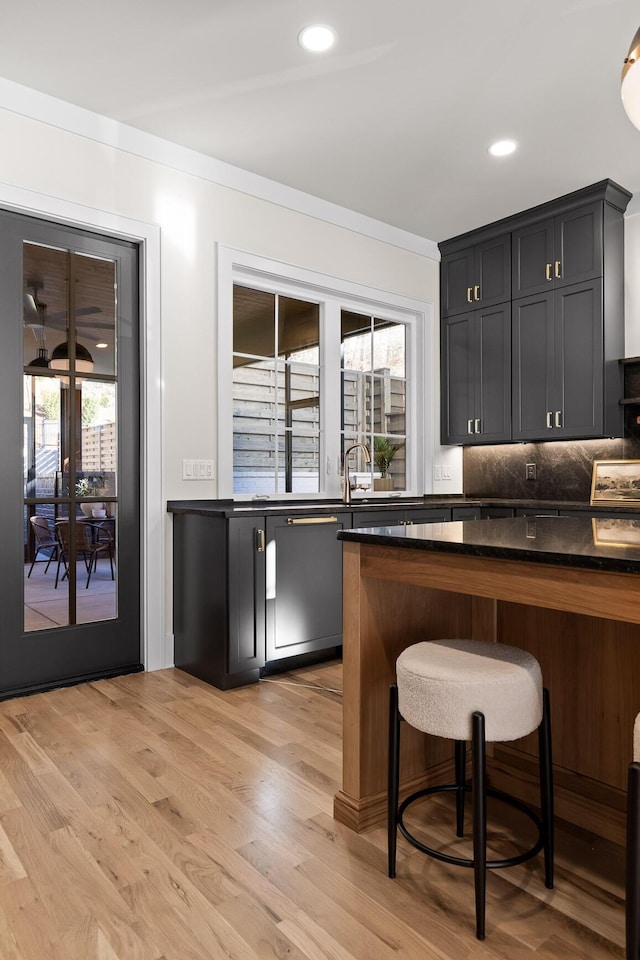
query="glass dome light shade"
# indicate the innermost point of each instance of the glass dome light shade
(60, 358)
(631, 82)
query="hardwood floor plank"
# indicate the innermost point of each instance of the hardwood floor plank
(152, 817)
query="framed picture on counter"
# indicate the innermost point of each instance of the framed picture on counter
(615, 481)
(608, 532)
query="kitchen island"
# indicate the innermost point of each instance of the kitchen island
(567, 589)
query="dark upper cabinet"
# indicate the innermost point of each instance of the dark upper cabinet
(478, 275)
(558, 251)
(476, 376)
(567, 303)
(558, 350)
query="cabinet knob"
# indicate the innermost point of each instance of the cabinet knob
(548, 269)
(558, 271)
(469, 297)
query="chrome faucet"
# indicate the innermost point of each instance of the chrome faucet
(346, 492)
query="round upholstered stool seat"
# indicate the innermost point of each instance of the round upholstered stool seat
(441, 683)
(471, 690)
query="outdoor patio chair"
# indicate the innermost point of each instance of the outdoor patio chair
(91, 541)
(44, 538)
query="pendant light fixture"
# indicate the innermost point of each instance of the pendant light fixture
(60, 358)
(631, 82)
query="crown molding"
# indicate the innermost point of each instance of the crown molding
(16, 98)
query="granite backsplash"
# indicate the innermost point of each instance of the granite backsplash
(563, 468)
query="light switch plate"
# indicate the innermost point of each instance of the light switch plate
(198, 470)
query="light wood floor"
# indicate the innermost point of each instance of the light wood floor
(155, 817)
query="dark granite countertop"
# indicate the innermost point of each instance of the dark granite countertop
(591, 542)
(232, 508)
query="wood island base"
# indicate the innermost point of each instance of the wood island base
(583, 626)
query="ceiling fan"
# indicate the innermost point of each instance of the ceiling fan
(35, 309)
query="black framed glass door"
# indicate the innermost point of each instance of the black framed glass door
(69, 469)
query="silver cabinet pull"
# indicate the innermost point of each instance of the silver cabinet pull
(476, 292)
(549, 419)
(469, 426)
(295, 520)
(260, 541)
(558, 418)
(477, 426)
(469, 297)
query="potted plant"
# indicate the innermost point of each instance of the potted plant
(383, 453)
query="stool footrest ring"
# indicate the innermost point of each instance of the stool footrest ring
(465, 861)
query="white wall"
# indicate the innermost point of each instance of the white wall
(193, 214)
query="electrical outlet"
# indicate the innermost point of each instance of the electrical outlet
(530, 471)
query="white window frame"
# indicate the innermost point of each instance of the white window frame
(332, 294)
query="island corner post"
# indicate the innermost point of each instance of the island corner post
(583, 625)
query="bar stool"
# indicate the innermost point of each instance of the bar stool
(632, 906)
(471, 690)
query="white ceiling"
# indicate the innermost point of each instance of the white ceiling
(394, 122)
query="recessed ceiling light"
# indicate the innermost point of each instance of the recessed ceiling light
(502, 148)
(317, 38)
(102, 346)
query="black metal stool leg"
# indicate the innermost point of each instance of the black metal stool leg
(479, 787)
(633, 863)
(393, 778)
(461, 772)
(546, 788)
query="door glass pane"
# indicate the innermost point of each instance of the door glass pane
(45, 605)
(95, 311)
(70, 438)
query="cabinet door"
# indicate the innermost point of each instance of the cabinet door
(492, 347)
(377, 518)
(457, 278)
(492, 280)
(458, 378)
(533, 367)
(304, 584)
(466, 513)
(430, 515)
(532, 259)
(246, 585)
(578, 245)
(578, 409)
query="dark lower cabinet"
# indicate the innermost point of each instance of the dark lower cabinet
(304, 584)
(246, 557)
(395, 518)
(219, 597)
